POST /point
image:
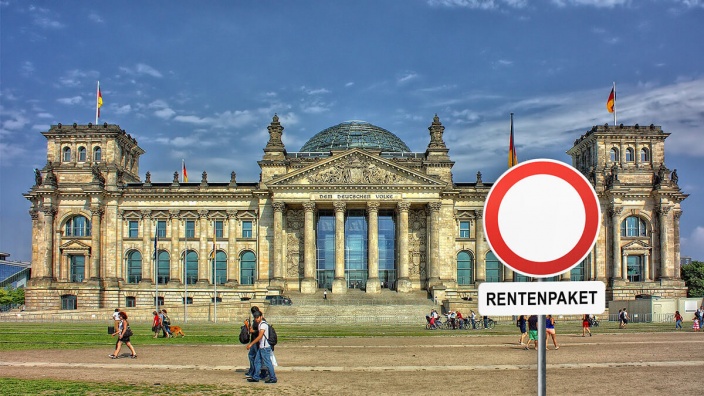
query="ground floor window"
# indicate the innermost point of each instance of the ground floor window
(69, 301)
(220, 268)
(77, 268)
(187, 300)
(635, 268)
(248, 267)
(464, 268)
(130, 302)
(493, 268)
(159, 301)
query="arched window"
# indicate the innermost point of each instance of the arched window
(134, 267)
(97, 154)
(163, 265)
(633, 226)
(191, 267)
(644, 155)
(629, 155)
(613, 155)
(464, 268)
(221, 268)
(493, 268)
(247, 268)
(81, 154)
(67, 154)
(78, 226)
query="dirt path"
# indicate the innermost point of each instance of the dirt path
(639, 364)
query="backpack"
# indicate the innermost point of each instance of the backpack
(273, 339)
(244, 335)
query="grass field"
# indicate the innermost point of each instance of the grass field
(71, 335)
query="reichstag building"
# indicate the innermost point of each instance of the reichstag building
(354, 209)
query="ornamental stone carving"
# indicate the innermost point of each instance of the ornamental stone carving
(354, 169)
(417, 243)
(278, 206)
(339, 206)
(294, 243)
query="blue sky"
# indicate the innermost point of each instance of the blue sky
(201, 81)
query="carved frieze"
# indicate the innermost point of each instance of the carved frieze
(294, 243)
(417, 243)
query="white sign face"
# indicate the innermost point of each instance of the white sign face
(542, 298)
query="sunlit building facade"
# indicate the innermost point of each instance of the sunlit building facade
(354, 210)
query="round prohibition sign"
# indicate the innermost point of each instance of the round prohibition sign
(541, 218)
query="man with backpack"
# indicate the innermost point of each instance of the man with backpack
(265, 353)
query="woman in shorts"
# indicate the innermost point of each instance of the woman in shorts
(122, 338)
(585, 325)
(550, 331)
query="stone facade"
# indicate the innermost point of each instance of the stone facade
(95, 223)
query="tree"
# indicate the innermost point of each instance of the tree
(10, 295)
(693, 276)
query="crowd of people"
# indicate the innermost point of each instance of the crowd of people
(161, 323)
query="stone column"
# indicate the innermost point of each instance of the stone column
(676, 219)
(147, 270)
(373, 284)
(96, 212)
(203, 277)
(616, 246)
(624, 266)
(480, 273)
(176, 262)
(646, 268)
(433, 250)
(403, 284)
(666, 271)
(308, 284)
(232, 261)
(565, 276)
(48, 263)
(278, 264)
(339, 285)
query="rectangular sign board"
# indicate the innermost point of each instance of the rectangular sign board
(542, 298)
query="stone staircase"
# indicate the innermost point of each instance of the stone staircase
(355, 306)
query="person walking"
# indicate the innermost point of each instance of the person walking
(473, 318)
(325, 294)
(264, 353)
(678, 320)
(550, 331)
(695, 324)
(521, 323)
(585, 325)
(123, 336)
(620, 318)
(116, 318)
(166, 324)
(156, 324)
(625, 318)
(252, 353)
(532, 331)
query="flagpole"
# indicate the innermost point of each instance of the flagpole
(156, 271)
(614, 103)
(97, 108)
(215, 279)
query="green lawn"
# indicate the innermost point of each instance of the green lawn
(71, 335)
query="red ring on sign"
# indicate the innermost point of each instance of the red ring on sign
(584, 244)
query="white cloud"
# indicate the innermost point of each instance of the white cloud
(693, 243)
(76, 77)
(41, 18)
(27, 68)
(70, 101)
(318, 91)
(591, 3)
(44, 115)
(479, 4)
(94, 17)
(406, 77)
(126, 109)
(141, 69)
(165, 113)
(349, 84)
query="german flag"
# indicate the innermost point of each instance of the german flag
(611, 103)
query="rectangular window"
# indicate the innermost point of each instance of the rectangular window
(161, 228)
(635, 268)
(68, 301)
(130, 302)
(132, 229)
(464, 229)
(246, 229)
(190, 229)
(77, 268)
(218, 229)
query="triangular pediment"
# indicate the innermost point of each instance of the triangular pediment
(74, 245)
(636, 245)
(356, 167)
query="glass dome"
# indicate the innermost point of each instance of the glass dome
(355, 134)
